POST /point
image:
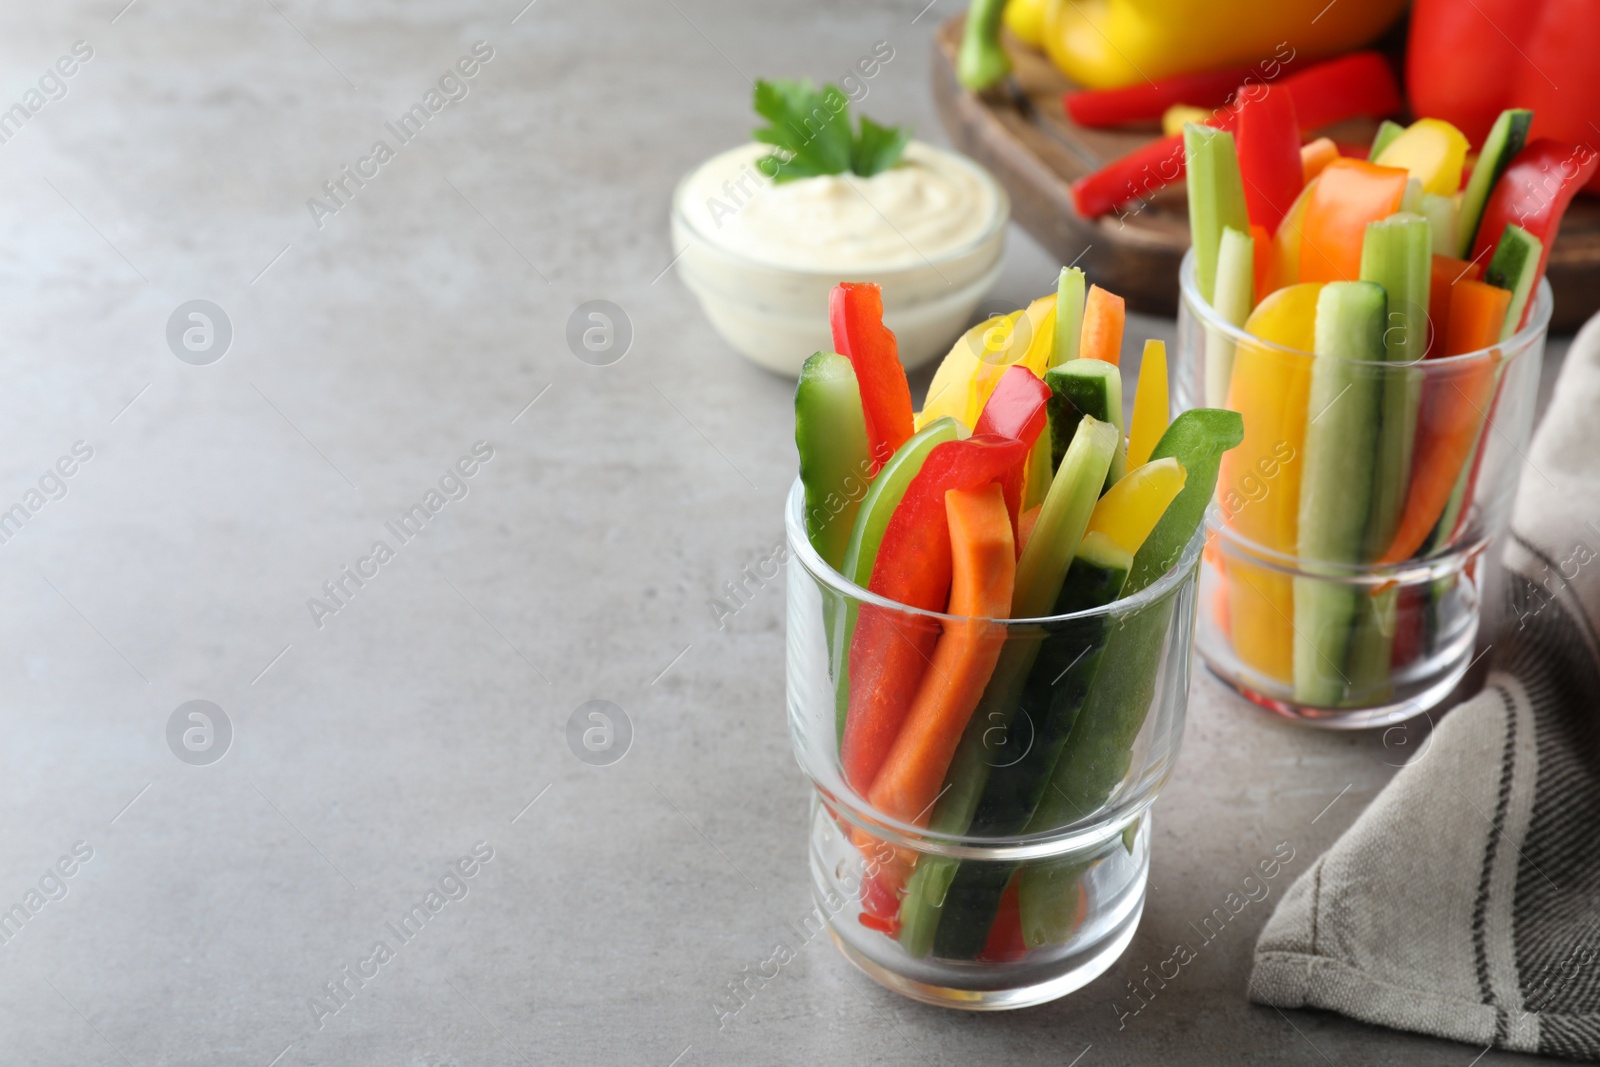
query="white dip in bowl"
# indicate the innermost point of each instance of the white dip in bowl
(762, 256)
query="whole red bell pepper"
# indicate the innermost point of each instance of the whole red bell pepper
(1469, 59)
(890, 649)
(1267, 137)
(1016, 409)
(855, 311)
(1534, 193)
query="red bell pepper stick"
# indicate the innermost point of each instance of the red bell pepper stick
(890, 649)
(1534, 193)
(855, 310)
(1359, 85)
(1015, 409)
(1102, 108)
(1268, 142)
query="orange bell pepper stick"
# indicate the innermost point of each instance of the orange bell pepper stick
(1350, 193)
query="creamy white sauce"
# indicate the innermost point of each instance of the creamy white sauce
(928, 204)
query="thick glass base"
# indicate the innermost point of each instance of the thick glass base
(1399, 649)
(1101, 891)
(1356, 718)
(1084, 968)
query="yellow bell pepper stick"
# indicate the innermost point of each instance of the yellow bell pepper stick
(1130, 509)
(1259, 486)
(1433, 151)
(971, 370)
(1151, 407)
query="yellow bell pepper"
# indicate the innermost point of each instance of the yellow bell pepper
(1025, 20)
(1259, 484)
(1105, 44)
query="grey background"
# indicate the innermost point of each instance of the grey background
(430, 713)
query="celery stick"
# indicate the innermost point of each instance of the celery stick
(1440, 211)
(1038, 471)
(1411, 201)
(1234, 298)
(1387, 131)
(1216, 198)
(1070, 294)
(1337, 481)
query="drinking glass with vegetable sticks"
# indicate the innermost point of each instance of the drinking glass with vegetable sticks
(1379, 324)
(991, 607)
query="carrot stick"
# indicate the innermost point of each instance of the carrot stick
(1471, 327)
(983, 572)
(1103, 316)
(1446, 271)
(1452, 411)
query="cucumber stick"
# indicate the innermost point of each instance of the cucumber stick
(1216, 198)
(1515, 266)
(1397, 254)
(1337, 486)
(1506, 138)
(1098, 751)
(1053, 696)
(885, 494)
(1041, 571)
(1233, 300)
(1079, 389)
(830, 431)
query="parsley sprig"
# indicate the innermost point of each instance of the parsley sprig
(811, 131)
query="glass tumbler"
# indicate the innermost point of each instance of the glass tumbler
(1025, 878)
(1381, 626)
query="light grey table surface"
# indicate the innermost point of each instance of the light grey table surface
(429, 713)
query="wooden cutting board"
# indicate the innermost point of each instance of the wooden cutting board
(1021, 134)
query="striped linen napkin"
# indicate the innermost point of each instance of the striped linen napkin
(1465, 901)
